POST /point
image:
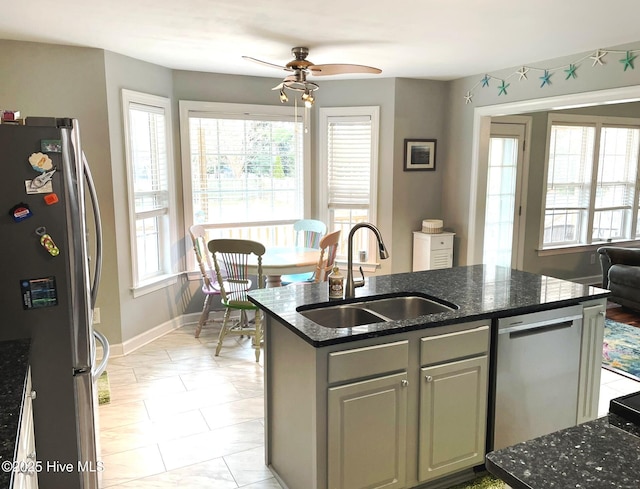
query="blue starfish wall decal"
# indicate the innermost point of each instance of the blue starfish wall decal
(571, 72)
(628, 60)
(545, 79)
(502, 89)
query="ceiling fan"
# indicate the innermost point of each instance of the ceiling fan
(301, 67)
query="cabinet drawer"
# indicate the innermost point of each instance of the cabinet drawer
(441, 348)
(368, 361)
(441, 242)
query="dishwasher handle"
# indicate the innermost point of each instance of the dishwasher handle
(545, 324)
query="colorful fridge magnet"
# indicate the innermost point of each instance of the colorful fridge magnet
(20, 212)
(47, 242)
(40, 162)
(47, 188)
(51, 146)
(42, 179)
(51, 199)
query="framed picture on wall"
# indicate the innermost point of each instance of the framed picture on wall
(419, 154)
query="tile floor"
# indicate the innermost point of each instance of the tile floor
(181, 417)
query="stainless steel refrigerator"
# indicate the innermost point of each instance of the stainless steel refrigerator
(48, 285)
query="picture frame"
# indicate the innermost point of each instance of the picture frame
(419, 155)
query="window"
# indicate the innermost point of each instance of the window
(348, 174)
(591, 194)
(147, 125)
(244, 170)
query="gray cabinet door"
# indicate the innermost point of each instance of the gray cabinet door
(367, 423)
(453, 411)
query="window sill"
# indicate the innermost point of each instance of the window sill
(563, 250)
(366, 267)
(154, 284)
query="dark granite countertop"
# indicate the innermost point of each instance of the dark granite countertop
(14, 362)
(600, 454)
(479, 291)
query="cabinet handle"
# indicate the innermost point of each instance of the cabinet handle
(602, 313)
(428, 378)
(404, 383)
(33, 394)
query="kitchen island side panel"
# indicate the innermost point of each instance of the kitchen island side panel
(290, 408)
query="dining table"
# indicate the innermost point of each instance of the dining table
(278, 261)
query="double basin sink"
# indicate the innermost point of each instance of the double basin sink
(375, 309)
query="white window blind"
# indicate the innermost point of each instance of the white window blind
(568, 184)
(150, 179)
(149, 157)
(348, 140)
(615, 188)
(349, 162)
(591, 188)
(246, 169)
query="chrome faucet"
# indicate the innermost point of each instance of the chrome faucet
(350, 288)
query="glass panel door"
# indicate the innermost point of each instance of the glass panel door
(502, 209)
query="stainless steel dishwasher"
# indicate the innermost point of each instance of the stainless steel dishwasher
(537, 368)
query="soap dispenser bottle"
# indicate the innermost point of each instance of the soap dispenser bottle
(336, 284)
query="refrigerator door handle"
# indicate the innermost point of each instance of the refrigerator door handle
(98, 225)
(101, 367)
(96, 370)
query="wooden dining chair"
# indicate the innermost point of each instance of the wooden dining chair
(233, 255)
(308, 234)
(326, 260)
(210, 285)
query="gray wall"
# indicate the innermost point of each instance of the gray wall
(420, 113)
(408, 108)
(380, 92)
(460, 134)
(573, 264)
(62, 81)
(86, 83)
(135, 316)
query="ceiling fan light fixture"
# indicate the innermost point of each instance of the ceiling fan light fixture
(300, 67)
(308, 99)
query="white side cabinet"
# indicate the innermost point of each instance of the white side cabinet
(432, 251)
(27, 475)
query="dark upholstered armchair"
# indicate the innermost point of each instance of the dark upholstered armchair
(621, 274)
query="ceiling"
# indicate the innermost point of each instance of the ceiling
(432, 39)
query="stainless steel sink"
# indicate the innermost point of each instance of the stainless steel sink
(409, 307)
(371, 310)
(342, 316)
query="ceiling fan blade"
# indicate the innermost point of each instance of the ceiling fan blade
(340, 69)
(266, 63)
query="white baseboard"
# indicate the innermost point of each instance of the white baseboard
(132, 344)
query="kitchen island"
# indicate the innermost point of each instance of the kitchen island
(408, 402)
